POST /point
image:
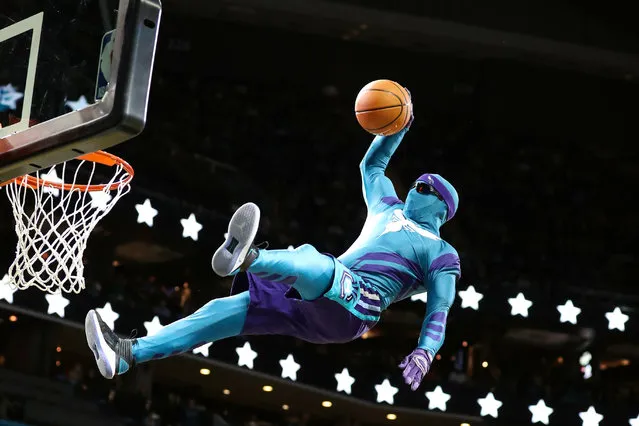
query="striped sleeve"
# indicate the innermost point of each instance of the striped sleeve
(445, 263)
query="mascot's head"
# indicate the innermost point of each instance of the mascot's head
(431, 201)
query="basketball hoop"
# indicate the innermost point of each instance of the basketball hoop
(55, 215)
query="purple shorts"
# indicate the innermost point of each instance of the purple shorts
(277, 308)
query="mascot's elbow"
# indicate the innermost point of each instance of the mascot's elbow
(368, 167)
(364, 165)
(442, 308)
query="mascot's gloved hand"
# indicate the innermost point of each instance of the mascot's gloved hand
(412, 116)
(415, 366)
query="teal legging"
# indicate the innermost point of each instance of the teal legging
(304, 268)
(218, 319)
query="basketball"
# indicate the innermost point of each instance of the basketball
(383, 107)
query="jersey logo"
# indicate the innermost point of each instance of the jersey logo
(398, 222)
(346, 287)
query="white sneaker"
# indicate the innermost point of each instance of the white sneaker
(241, 233)
(107, 347)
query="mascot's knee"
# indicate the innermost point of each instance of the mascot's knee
(306, 248)
(209, 307)
(307, 251)
(302, 256)
(206, 311)
(308, 259)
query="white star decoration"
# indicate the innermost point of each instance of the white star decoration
(9, 97)
(421, 297)
(51, 176)
(100, 199)
(489, 405)
(246, 355)
(590, 417)
(568, 312)
(57, 302)
(203, 350)
(153, 326)
(191, 227)
(634, 422)
(540, 412)
(108, 315)
(519, 305)
(470, 298)
(437, 399)
(6, 289)
(146, 212)
(386, 392)
(79, 104)
(344, 381)
(616, 320)
(289, 368)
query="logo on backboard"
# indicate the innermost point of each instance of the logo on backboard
(9, 97)
(104, 67)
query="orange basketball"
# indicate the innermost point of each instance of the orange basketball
(383, 107)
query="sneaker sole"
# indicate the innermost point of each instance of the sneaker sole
(104, 356)
(241, 233)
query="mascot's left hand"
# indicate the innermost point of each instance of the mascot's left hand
(415, 366)
(412, 115)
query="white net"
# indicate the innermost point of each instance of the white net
(53, 223)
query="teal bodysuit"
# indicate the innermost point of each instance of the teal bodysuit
(399, 252)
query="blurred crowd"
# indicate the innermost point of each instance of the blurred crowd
(133, 401)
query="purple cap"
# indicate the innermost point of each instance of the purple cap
(445, 189)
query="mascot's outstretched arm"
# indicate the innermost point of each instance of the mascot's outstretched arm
(375, 185)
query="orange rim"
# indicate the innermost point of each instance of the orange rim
(99, 157)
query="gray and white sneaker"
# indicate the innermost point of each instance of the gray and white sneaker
(238, 249)
(107, 347)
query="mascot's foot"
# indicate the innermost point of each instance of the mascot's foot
(112, 354)
(238, 251)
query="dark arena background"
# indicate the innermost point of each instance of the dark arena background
(528, 108)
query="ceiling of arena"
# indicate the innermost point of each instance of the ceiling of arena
(565, 34)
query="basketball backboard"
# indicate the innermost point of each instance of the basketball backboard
(74, 77)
